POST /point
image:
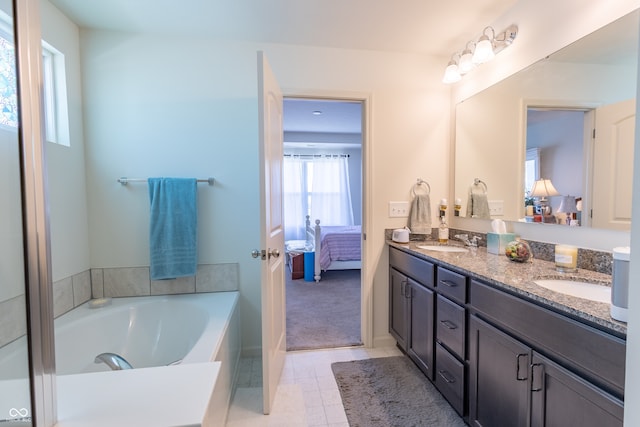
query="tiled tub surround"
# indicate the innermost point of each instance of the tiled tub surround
(598, 261)
(135, 281)
(75, 290)
(517, 278)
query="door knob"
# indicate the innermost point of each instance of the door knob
(274, 253)
(257, 253)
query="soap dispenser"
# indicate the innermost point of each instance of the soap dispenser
(443, 230)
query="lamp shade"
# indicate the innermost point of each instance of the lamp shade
(543, 188)
(568, 205)
(451, 73)
(466, 61)
(484, 50)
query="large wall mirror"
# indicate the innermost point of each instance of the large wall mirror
(539, 124)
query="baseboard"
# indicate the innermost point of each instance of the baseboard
(385, 341)
(251, 352)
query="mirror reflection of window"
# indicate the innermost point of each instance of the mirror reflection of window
(531, 169)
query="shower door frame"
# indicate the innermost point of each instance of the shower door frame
(36, 246)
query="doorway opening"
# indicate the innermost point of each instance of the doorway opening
(559, 148)
(323, 173)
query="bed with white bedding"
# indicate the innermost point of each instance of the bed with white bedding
(336, 247)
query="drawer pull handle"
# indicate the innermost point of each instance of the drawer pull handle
(449, 283)
(447, 377)
(403, 287)
(449, 324)
(533, 377)
(518, 377)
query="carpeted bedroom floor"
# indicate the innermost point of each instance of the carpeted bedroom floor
(324, 314)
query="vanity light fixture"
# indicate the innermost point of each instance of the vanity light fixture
(476, 53)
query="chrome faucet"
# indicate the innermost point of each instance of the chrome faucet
(464, 238)
(114, 361)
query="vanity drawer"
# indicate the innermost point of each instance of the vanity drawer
(414, 267)
(450, 378)
(450, 326)
(453, 285)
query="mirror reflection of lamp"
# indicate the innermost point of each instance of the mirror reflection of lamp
(542, 189)
(569, 207)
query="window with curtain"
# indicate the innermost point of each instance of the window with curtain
(317, 186)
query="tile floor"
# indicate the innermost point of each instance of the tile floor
(307, 394)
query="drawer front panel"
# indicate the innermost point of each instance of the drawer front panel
(452, 284)
(598, 356)
(414, 267)
(450, 326)
(450, 378)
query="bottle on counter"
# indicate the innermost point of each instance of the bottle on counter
(443, 230)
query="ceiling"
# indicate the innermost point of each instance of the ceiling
(433, 27)
(313, 115)
(427, 27)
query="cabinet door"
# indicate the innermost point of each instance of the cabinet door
(398, 307)
(421, 327)
(561, 398)
(498, 377)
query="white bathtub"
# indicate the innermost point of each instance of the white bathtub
(146, 331)
(199, 331)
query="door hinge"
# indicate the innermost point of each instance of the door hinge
(594, 133)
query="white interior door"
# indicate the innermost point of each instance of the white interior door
(272, 231)
(613, 165)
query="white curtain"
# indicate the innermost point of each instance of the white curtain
(330, 192)
(316, 186)
(295, 204)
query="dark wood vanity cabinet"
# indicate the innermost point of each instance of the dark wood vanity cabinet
(579, 381)
(501, 360)
(498, 377)
(411, 308)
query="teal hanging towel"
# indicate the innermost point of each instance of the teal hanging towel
(173, 227)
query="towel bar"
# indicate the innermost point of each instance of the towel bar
(418, 184)
(479, 182)
(124, 180)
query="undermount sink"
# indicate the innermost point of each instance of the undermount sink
(585, 290)
(442, 248)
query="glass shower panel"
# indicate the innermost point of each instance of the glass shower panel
(15, 400)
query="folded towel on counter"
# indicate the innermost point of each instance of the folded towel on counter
(420, 215)
(478, 206)
(173, 227)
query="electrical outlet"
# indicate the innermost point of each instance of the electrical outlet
(496, 207)
(398, 209)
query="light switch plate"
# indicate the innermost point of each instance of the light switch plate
(398, 209)
(496, 207)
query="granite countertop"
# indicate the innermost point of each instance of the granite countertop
(517, 278)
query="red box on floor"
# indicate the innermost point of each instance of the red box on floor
(296, 265)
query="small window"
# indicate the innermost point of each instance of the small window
(56, 116)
